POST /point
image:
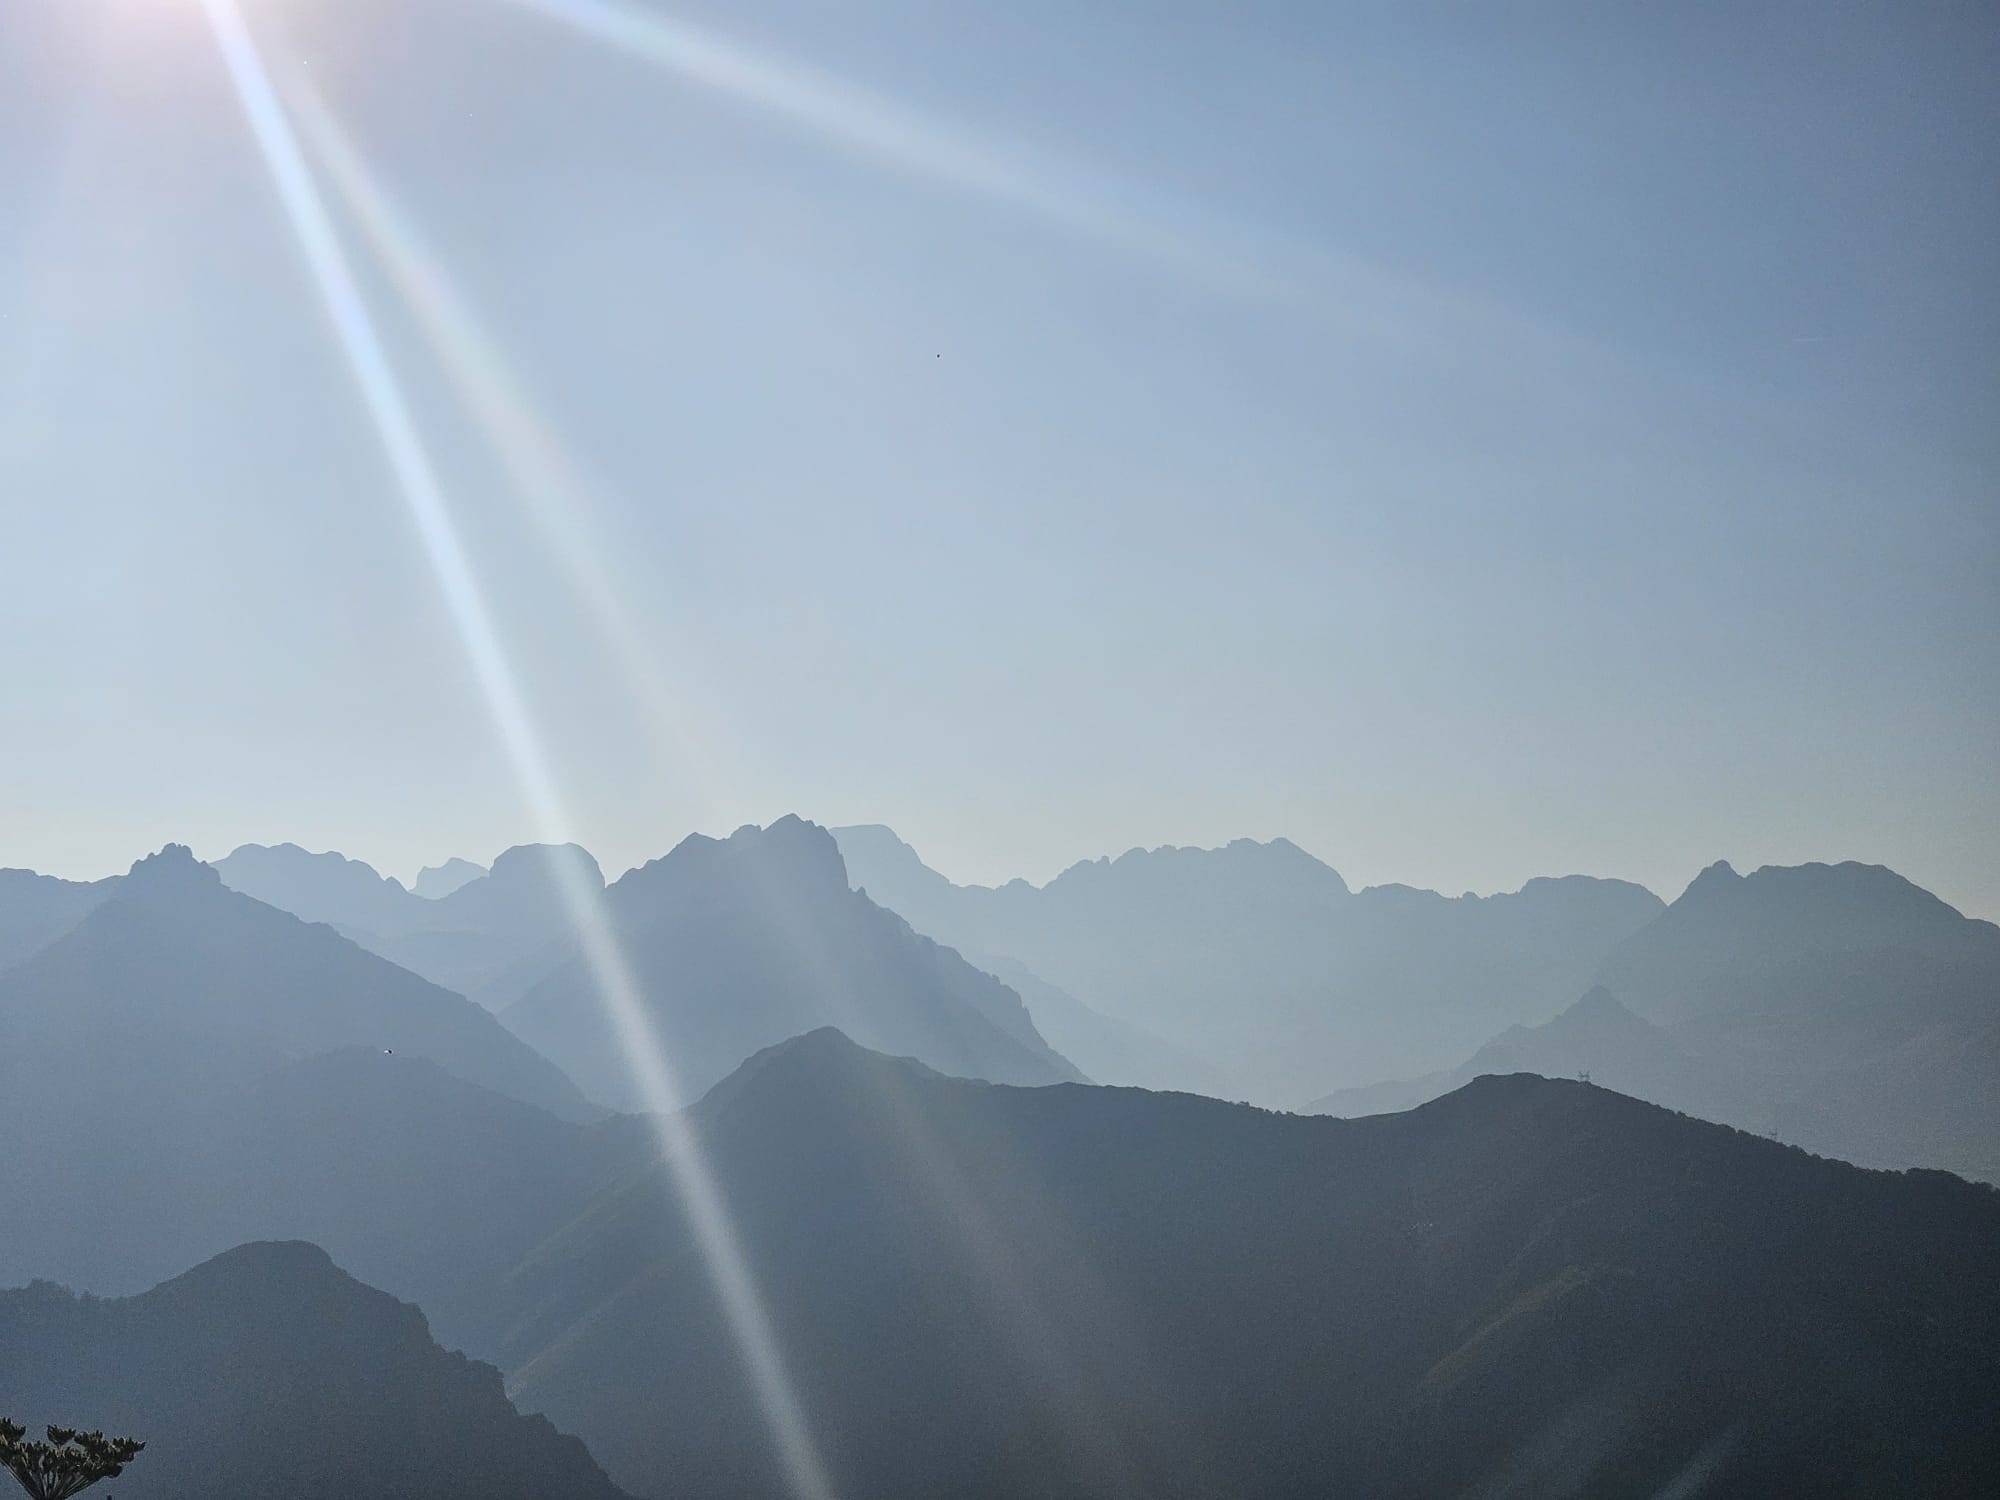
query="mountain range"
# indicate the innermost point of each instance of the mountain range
(737, 943)
(170, 958)
(190, 1058)
(732, 943)
(475, 937)
(1839, 1007)
(986, 1276)
(1527, 1286)
(1259, 960)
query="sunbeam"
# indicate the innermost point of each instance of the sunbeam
(1348, 293)
(883, 130)
(417, 480)
(557, 496)
(484, 380)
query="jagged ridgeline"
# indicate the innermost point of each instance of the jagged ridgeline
(986, 1276)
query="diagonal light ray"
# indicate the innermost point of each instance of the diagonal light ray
(1350, 294)
(556, 495)
(417, 480)
(870, 125)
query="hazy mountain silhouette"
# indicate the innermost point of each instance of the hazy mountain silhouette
(492, 935)
(1108, 1050)
(35, 910)
(175, 958)
(268, 1371)
(1526, 1287)
(1734, 940)
(327, 887)
(418, 1182)
(484, 932)
(741, 942)
(524, 889)
(1837, 1007)
(434, 881)
(1258, 959)
(1597, 1037)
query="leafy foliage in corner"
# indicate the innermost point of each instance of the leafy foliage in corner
(67, 1464)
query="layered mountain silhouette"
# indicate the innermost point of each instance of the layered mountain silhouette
(482, 937)
(423, 1184)
(434, 881)
(1526, 1285)
(269, 1371)
(1838, 1007)
(190, 1059)
(35, 910)
(173, 959)
(1107, 1049)
(1259, 960)
(737, 943)
(320, 887)
(1597, 1039)
(1529, 1286)
(1758, 940)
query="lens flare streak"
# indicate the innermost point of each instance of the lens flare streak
(554, 491)
(417, 480)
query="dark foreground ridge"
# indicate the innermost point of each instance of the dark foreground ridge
(268, 1371)
(1529, 1286)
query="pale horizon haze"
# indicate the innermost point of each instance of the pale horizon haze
(1568, 447)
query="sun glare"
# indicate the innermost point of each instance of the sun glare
(417, 480)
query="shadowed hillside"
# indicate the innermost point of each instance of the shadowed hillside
(1528, 1286)
(268, 1371)
(418, 1182)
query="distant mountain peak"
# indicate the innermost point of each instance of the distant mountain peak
(435, 882)
(1716, 878)
(541, 862)
(173, 868)
(1831, 890)
(1598, 1001)
(825, 1059)
(329, 862)
(285, 1258)
(796, 838)
(1278, 859)
(811, 1049)
(790, 845)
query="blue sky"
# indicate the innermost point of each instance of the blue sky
(1473, 448)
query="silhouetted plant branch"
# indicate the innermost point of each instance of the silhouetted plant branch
(67, 1464)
